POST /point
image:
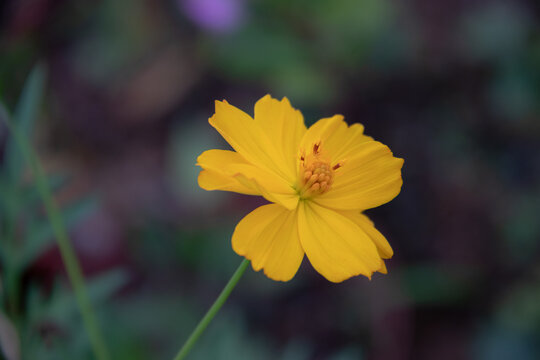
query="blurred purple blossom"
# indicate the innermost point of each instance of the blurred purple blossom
(215, 15)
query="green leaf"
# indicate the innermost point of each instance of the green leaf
(436, 285)
(5, 187)
(4, 113)
(59, 308)
(41, 236)
(62, 306)
(28, 196)
(102, 287)
(20, 200)
(24, 119)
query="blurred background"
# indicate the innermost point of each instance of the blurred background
(453, 87)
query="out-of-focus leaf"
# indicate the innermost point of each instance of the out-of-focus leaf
(244, 55)
(520, 229)
(9, 339)
(4, 185)
(228, 335)
(513, 93)
(4, 114)
(104, 286)
(185, 144)
(520, 309)
(296, 350)
(350, 353)
(25, 199)
(289, 71)
(29, 196)
(496, 31)
(58, 313)
(52, 329)
(63, 304)
(24, 118)
(1, 291)
(40, 236)
(48, 342)
(436, 285)
(496, 343)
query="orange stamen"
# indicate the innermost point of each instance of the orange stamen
(316, 173)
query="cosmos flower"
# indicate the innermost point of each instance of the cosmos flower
(318, 181)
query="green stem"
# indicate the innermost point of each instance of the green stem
(66, 249)
(212, 311)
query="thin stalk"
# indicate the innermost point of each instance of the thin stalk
(197, 332)
(66, 249)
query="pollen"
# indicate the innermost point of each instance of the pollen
(316, 174)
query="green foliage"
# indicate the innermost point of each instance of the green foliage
(24, 117)
(436, 285)
(281, 46)
(25, 233)
(230, 337)
(519, 309)
(52, 325)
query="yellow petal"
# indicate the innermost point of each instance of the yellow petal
(336, 247)
(212, 180)
(250, 140)
(370, 178)
(320, 131)
(272, 190)
(268, 236)
(216, 173)
(383, 269)
(227, 170)
(279, 120)
(338, 140)
(383, 247)
(365, 223)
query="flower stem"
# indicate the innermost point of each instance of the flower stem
(197, 332)
(66, 249)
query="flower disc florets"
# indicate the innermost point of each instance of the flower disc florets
(316, 174)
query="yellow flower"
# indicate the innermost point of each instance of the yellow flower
(318, 180)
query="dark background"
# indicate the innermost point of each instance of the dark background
(453, 87)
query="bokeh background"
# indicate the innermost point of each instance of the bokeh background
(453, 87)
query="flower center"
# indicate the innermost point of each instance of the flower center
(316, 174)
